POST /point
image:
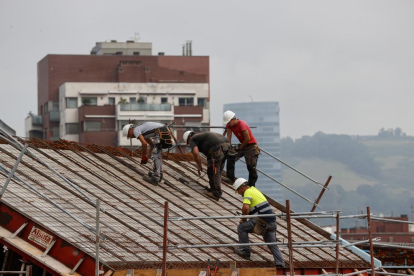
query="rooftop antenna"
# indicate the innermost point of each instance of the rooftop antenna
(251, 98)
(136, 37)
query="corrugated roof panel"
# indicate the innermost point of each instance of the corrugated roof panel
(133, 221)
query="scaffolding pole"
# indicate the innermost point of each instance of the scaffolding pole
(294, 244)
(13, 170)
(287, 165)
(323, 214)
(371, 246)
(286, 187)
(289, 228)
(165, 240)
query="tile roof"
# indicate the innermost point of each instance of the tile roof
(133, 221)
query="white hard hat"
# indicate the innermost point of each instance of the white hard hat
(228, 115)
(187, 134)
(126, 128)
(239, 182)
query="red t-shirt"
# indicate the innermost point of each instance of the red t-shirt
(239, 128)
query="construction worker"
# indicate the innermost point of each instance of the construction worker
(149, 133)
(247, 147)
(255, 203)
(215, 147)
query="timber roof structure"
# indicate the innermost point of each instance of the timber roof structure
(132, 224)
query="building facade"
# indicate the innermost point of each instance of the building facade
(264, 116)
(88, 98)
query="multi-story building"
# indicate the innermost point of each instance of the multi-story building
(264, 116)
(389, 231)
(89, 98)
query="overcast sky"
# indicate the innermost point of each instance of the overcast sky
(342, 67)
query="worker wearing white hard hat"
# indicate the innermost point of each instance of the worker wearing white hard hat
(215, 147)
(255, 203)
(149, 133)
(247, 147)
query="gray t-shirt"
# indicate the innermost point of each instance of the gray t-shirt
(145, 127)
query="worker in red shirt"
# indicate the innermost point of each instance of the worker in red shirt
(247, 147)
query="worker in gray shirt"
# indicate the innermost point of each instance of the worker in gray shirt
(154, 134)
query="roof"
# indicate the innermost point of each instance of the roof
(133, 219)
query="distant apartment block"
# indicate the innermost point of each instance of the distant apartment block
(89, 98)
(264, 116)
(6, 128)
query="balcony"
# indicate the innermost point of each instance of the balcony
(54, 116)
(145, 107)
(36, 120)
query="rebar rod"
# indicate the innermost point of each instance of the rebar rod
(13, 170)
(283, 185)
(287, 165)
(325, 187)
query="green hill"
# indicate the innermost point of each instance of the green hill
(367, 171)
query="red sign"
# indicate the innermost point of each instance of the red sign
(40, 237)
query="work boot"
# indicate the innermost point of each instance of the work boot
(208, 189)
(210, 194)
(242, 252)
(151, 180)
(150, 174)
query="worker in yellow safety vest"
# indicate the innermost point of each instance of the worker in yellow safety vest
(255, 203)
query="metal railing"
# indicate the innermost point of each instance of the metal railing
(144, 107)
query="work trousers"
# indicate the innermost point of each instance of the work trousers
(214, 176)
(156, 157)
(250, 155)
(246, 227)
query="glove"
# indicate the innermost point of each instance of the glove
(144, 160)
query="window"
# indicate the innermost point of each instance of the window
(133, 100)
(111, 101)
(89, 101)
(71, 102)
(142, 99)
(202, 102)
(164, 100)
(72, 128)
(136, 53)
(91, 126)
(185, 101)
